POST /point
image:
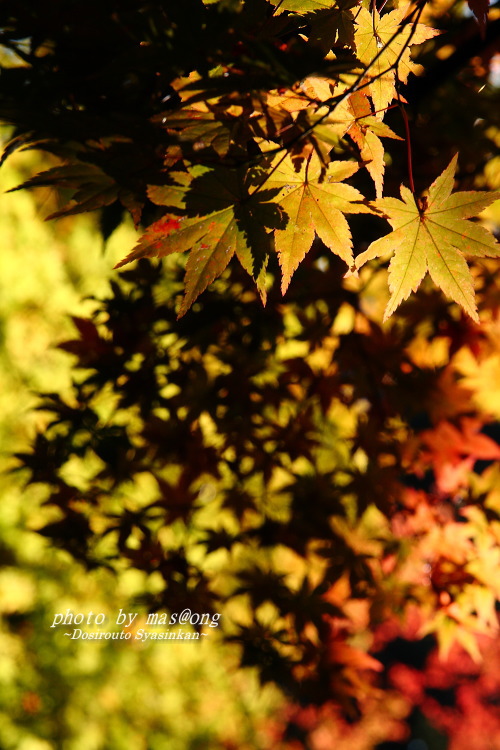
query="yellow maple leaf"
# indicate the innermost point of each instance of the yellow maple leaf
(383, 44)
(482, 378)
(433, 234)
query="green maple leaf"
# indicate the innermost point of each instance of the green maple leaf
(433, 236)
(93, 188)
(218, 219)
(315, 200)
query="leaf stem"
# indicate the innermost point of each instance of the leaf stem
(408, 144)
(277, 7)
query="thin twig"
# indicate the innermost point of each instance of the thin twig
(359, 84)
(408, 143)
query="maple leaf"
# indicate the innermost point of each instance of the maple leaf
(207, 127)
(219, 220)
(453, 452)
(315, 200)
(480, 9)
(433, 236)
(482, 377)
(333, 27)
(301, 6)
(93, 188)
(366, 134)
(383, 44)
(353, 117)
(200, 128)
(366, 131)
(330, 124)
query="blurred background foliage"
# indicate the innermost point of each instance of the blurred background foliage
(54, 692)
(140, 468)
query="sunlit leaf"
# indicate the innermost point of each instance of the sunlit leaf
(301, 6)
(219, 219)
(383, 44)
(315, 199)
(433, 236)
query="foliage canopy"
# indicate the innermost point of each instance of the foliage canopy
(240, 147)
